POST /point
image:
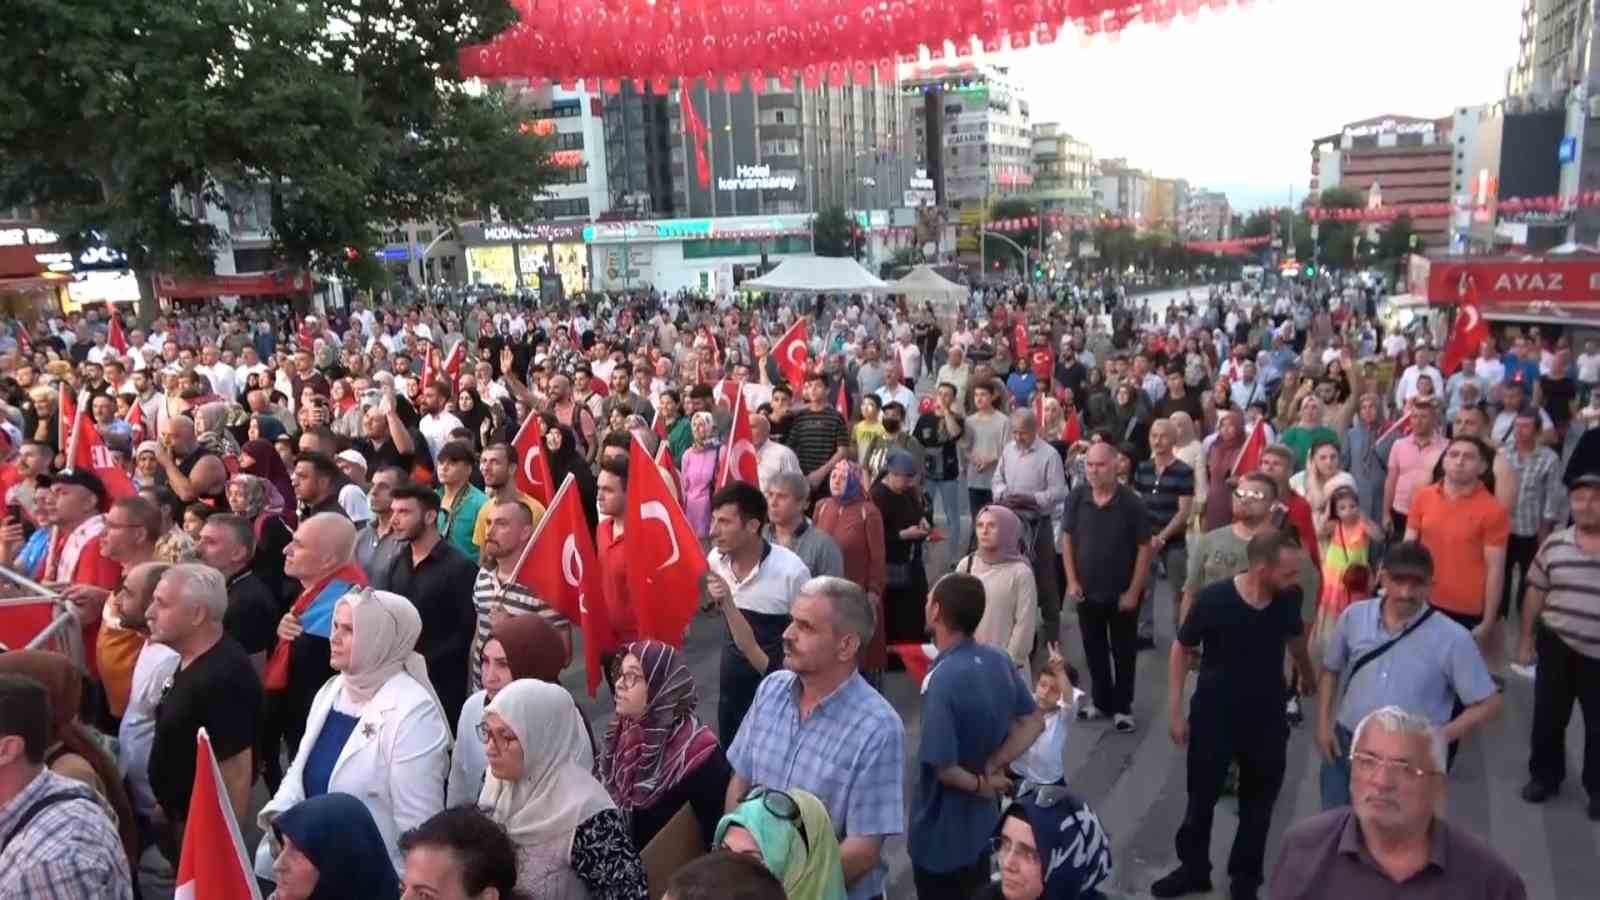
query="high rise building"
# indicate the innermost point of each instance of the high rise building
(970, 132)
(787, 149)
(1393, 160)
(1207, 216)
(1167, 204)
(1124, 190)
(1555, 48)
(1064, 173)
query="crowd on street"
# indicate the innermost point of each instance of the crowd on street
(304, 534)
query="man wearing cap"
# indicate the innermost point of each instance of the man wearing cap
(75, 564)
(1433, 665)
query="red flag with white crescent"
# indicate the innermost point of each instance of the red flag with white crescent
(115, 338)
(560, 566)
(89, 451)
(1467, 333)
(739, 460)
(1072, 428)
(665, 563)
(918, 659)
(212, 864)
(792, 354)
(136, 421)
(1249, 458)
(665, 462)
(843, 402)
(1399, 427)
(452, 362)
(533, 463)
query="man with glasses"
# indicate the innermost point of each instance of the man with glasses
(133, 525)
(1220, 552)
(1394, 651)
(1391, 841)
(155, 664)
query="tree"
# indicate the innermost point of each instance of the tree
(833, 233)
(122, 122)
(1011, 208)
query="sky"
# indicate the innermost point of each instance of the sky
(1233, 99)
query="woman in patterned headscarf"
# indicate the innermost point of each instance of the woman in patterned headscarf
(658, 755)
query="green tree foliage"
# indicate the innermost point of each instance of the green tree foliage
(833, 233)
(995, 249)
(124, 119)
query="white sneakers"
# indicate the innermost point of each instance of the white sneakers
(1122, 722)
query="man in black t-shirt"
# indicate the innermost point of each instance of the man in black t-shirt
(1237, 714)
(214, 688)
(228, 544)
(939, 431)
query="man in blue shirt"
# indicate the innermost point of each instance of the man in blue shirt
(977, 716)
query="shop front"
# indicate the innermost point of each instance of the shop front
(35, 269)
(701, 255)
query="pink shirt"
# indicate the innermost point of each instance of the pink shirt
(1414, 464)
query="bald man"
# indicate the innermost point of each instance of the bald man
(772, 458)
(195, 475)
(321, 557)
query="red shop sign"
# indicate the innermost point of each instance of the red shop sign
(1515, 280)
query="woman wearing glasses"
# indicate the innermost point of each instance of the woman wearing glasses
(658, 756)
(376, 730)
(1050, 845)
(791, 833)
(571, 839)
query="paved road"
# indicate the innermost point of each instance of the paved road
(1136, 782)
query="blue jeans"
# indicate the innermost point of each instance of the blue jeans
(1334, 780)
(949, 496)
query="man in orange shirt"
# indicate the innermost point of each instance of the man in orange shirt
(1466, 529)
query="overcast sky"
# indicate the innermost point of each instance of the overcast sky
(1232, 100)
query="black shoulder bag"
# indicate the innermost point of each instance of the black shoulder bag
(1376, 652)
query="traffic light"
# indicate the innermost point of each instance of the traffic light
(1311, 270)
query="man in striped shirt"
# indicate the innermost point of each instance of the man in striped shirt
(496, 592)
(1563, 601)
(818, 435)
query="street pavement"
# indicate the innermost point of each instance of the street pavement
(1136, 782)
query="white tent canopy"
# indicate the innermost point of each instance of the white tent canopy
(817, 275)
(923, 283)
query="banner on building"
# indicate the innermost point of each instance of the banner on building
(252, 284)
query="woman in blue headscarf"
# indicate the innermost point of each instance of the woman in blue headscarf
(332, 851)
(1032, 847)
(856, 525)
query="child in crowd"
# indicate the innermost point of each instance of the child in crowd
(1058, 698)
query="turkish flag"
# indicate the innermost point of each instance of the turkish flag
(1467, 334)
(664, 461)
(1249, 458)
(739, 460)
(115, 337)
(1019, 339)
(1400, 426)
(212, 864)
(89, 451)
(430, 371)
(533, 463)
(136, 421)
(918, 659)
(664, 559)
(452, 362)
(792, 354)
(67, 409)
(843, 402)
(560, 567)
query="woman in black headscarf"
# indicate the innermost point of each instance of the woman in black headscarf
(562, 447)
(471, 410)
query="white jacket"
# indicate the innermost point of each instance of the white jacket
(395, 762)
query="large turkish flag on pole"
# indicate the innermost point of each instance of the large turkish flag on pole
(665, 563)
(792, 353)
(1467, 334)
(533, 464)
(560, 566)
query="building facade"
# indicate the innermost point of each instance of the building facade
(1064, 172)
(1124, 190)
(1555, 48)
(1392, 160)
(1208, 216)
(970, 133)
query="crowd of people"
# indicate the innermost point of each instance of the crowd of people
(311, 550)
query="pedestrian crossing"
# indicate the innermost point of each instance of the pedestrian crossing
(1136, 782)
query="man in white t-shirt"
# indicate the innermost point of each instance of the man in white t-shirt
(1423, 367)
(438, 421)
(151, 671)
(1394, 346)
(910, 356)
(1589, 364)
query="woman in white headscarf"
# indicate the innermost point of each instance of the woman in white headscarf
(376, 730)
(571, 840)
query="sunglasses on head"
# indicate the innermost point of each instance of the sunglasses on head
(781, 805)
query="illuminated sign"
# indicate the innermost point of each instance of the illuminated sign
(538, 126)
(757, 178)
(567, 159)
(1389, 126)
(16, 237)
(508, 233)
(920, 181)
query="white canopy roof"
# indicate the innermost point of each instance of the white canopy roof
(817, 275)
(923, 283)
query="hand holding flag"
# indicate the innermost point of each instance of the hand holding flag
(665, 563)
(534, 477)
(793, 354)
(560, 566)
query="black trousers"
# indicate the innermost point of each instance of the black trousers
(739, 679)
(962, 884)
(1047, 579)
(1519, 556)
(1261, 753)
(1564, 675)
(1399, 524)
(1111, 647)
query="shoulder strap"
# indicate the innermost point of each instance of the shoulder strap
(39, 806)
(1385, 647)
